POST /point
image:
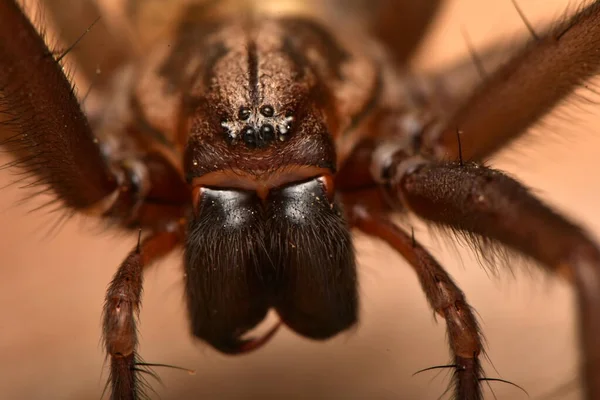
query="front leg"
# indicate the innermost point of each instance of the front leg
(43, 127)
(523, 90)
(41, 123)
(486, 206)
(121, 310)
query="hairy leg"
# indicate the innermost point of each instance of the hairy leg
(444, 297)
(446, 89)
(400, 24)
(121, 309)
(43, 127)
(523, 90)
(98, 52)
(486, 205)
(40, 120)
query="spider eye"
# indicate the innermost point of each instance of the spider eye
(244, 113)
(267, 110)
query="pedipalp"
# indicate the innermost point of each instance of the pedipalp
(121, 310)
(444, 297)
(226, 94)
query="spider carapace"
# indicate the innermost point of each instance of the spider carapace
(256, 134)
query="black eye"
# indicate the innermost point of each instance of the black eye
(267, 111)
(249, 136)
(268, 132)
(244, 113)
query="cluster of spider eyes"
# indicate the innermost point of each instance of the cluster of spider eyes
(254, 135)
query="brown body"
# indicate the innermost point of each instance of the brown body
(256, 134)
(201, 87)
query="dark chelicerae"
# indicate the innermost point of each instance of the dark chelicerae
(257, 134)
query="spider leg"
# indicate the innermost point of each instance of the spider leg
(98, 54)
(444, 297)
(120, 312)
(443, 91)
(42, 125)
(483, 203)
(40, 120)
(400, 24)
(522, 91)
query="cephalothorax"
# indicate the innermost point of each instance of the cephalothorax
(256, 134)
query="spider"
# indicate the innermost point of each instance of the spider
(399, 153)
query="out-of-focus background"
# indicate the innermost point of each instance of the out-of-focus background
(52, 289)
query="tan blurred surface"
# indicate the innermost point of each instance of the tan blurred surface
(51, 291)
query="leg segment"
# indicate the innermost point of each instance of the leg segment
(483, 203)
(444, 297)
(40, 120)
(523, 90)
(121, 309)
(99, 49)
(448, 88)
(401, 25)
(42, 125)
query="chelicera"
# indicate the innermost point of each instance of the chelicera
(257, 140)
